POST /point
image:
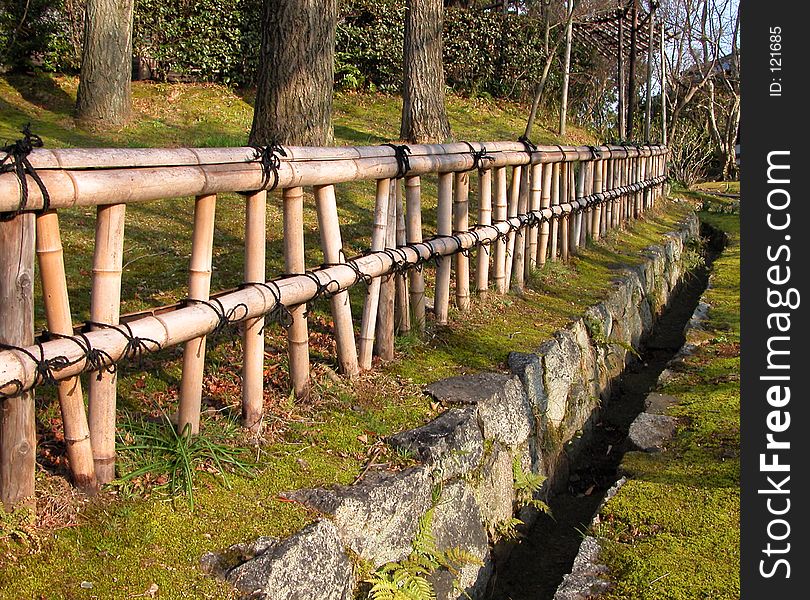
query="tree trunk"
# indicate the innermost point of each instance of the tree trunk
(424, 118)
(104, 99)
(296, 73)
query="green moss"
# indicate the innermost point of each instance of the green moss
(673, 530)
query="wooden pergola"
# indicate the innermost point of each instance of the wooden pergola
(621, 35)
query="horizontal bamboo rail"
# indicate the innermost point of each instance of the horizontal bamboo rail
(545, 214)
(18, 371)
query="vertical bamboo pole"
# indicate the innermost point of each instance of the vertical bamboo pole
(512, 211)
(500, 243)
(402, 308)
(545, 202)
(253, 329)
(616, 182)
(574, 219)
(17, 418)
(444, 226)
(555, 200)
(597, 189)
(534, 205)
(564, 187)
(604, 215)
(416, 277)
(105, 307)
(579, 229)
(461, 224)
(606, 183)
(199, 288)
(384, 343)
(519, 260)
(331, 244)
(57, 312)
(369, 322)
(298, 332)
(636, 195)
(484, 218)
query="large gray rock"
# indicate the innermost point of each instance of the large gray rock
(451, 443)
(377, 518)
(561, 361)
(503, 409)
(493, 487)
(457, 523)
(651, 432)
(310, 565)
(588, 578)
(529, 369)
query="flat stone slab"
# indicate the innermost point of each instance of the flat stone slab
(310, 565)
(377, 518)
(503, 408)
(452, 442)
(650, 432)
(657, 404)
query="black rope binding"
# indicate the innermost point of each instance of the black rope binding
(528, 145)
(269, 158)
(401, 153)
(225, 318)
(135, 348)
(279, 313)
(16, 161)
(44, 369)
(478, 156)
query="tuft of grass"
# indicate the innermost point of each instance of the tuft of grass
(174, 460)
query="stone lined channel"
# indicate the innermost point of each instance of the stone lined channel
(535, 567)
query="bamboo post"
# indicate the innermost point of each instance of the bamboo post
(402, 308)
(579, 220)
(105, 307)
(500, 243)
(199, 288)
(332, 244)
(416, 278)
(573, 229)
(603, 222)
(369, 321)
(636, 195)
(298, 331)
(253, 329)
(606, 183)
(17, 417)
(519, 260)
(565, 169)
(555, 200)
(512, 211)
(597, 189)
(461, 223)
(588, 216)
(484, 218)
(444, 226)
(56, 302)
(384, 343)
(545, 202)
(534, 205)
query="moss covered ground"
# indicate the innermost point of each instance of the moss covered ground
(672, 532)
(132, 536)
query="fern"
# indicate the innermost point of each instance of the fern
(526, 486)
(407, 579)
(508, 529)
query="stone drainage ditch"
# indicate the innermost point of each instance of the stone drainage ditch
(535, 567)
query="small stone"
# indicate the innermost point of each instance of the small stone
(650, 432)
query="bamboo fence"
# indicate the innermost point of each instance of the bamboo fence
(556, 199)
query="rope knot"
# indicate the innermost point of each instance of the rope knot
(16, 161)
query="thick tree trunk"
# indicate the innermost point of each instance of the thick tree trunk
(296, 73)
(424, 117)
(104, 99)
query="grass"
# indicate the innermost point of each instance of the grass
(132, 536)
(672, 531)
